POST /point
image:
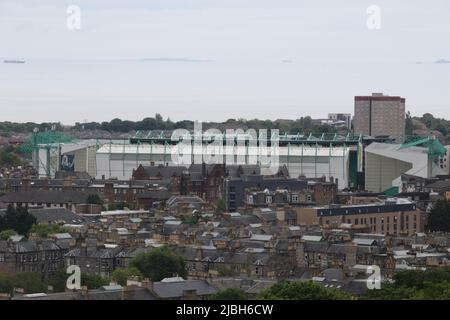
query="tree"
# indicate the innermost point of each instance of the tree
(160, 263)
(117, 206)
(220, 206)
(225, 271)
(390, 292)
(94, 199)
(431, 284)
(6, 234)
(439, 216)
(93, 281)
(43, 230)
(59, 280)
(229, 294)
(302, 290)
(122, 275)
(9, 158)
(18, 219)
(409, 125)
(30, 282)
(6, 283)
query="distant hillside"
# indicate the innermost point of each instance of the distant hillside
(429, 125)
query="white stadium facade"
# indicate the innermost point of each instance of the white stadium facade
(351, 161)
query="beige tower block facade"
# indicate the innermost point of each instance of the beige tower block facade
(380, 115)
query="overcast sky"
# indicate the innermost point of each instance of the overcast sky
(94, 73)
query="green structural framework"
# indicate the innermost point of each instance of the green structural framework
(48, 142)
(435, 147)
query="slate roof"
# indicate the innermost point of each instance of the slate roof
(155, 194)
(27, 246)
(136, 293)
(236, 171)
(164, 172)
(168, 290)
(52, 215)
(441, 184)
(46, 196)
(175, 200)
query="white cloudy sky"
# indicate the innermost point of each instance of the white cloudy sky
(87, 74)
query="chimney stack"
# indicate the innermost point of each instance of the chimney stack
(84, 292)
(189, 295)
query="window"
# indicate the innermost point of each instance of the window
(309, 197)
(294, 198)
(2, 258)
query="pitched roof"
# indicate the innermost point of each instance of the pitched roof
(167, 290)
(236, 171)
(164, 172)
(161, 194)
(52, 215)
(46, 196)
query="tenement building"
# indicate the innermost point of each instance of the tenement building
(389, 217)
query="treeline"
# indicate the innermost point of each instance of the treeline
(15, 127)
(304, 124)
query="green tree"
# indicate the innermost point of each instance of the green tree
(43, 230)
(439, 216)
(58, 280)
(431, 284)
(93, 281)
(18, 219)
(6, 234)
(94, 199)
(229, 294)
(117, 206)
(390, 292)
(9, 158)
(302, 290)
(122, 275)
(30, 282)
(160, 263)
(6, 283)
(225, 271)
(220, 206)
(409, 125)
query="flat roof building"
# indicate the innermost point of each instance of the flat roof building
(390, 217)
(380, 115)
